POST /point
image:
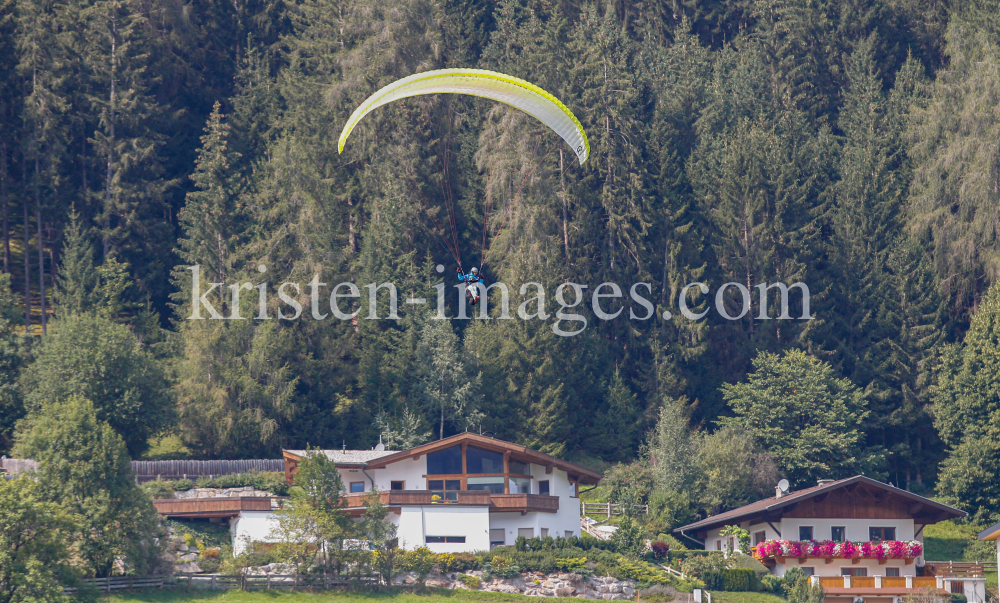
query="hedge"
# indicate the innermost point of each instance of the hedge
(734, 579)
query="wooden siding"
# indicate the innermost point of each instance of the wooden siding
(524, 503)
(863, 582)
(862, 503)
(924, 582)
(210, 507)
(893, 582)
(831, 581)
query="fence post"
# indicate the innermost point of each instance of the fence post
(130, 587)
(295, 583)
(269, 582)
(213, 581)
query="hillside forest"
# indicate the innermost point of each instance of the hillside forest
(849, 146)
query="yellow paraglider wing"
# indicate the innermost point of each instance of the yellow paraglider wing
(488, 84)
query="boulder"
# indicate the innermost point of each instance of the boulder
(437, 584)
(566, 591)
(186, 557)
(189, 568)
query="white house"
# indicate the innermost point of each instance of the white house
(464, 493)
(858, 538)
(993, 533)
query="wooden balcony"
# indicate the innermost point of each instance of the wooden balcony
(210, 507)
(498, 503)
(525, 503)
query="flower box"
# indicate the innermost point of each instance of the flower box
(828, 549)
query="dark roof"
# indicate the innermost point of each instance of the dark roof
(990, 533)
(774, 504)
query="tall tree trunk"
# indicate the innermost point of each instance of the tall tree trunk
(5, 207)
(565, 208)
(111, 146)
(27, 252)
(41, 263)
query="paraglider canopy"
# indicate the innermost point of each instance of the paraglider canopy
(513, 91)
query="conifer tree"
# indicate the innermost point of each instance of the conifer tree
(78, 279)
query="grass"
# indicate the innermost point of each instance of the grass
(948, 541)
(719, 596)
(395, 595)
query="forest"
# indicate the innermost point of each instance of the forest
(847, 145)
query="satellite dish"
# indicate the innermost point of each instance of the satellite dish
(783, 485)
(380, 446)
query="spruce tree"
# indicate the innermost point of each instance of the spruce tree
(78, 279)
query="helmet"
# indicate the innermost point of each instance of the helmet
(475, 270)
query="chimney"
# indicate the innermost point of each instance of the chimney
(824, 482)
(777, 492)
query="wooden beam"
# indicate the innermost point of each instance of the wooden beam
(548, 469)
(914, 508)
(918, 532)
(829, 560)
(821, 497)
(776, 530)
(506, 470)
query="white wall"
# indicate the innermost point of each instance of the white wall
(417, 522)
(857, 529)
(253, 525)
(822, 568)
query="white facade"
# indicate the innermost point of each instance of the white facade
(440, 527)
(251, 526)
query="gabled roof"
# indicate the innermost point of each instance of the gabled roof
(990, 533)
(523, 453)
(773, 506)
(359, 458)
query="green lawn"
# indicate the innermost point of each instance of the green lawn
(747, 597)
(947, 541)
(430, 595)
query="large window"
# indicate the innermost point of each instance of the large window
(496, 537)
(805, 533)
(444, 490)
(493, 484)
(759, 537)
(837, 534)
(478, 460)
(808, 571)
(854, 571)
(892, 572)
(881, 533)
(520, 485)
(357, 487)
(445, 462)
(543, 487)
(518, 467)
(445, 539)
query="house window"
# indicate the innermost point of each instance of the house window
(397, 485)
(837, 534)
(526, 532)
(446, 462)
(957, 587)
(444, 490)
(892, 572)
(854, 571)
(496, 537)
(545, 532)
(808, 571)
(493, 484)
(518, 467)
(759, 537)
(520, 485)
(478, 460)
(730, 544)
(881, 533)
(805, 533)
(543, 488)
(444, 539)
(718, 545)
(357, 487)
(572, 489)
(569, 533)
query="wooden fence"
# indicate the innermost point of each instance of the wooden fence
(146, 471)
(172, 470)
(609, 509)
(220, 581)
(961, 568)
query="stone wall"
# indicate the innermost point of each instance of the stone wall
(535, 584)
(222, 492)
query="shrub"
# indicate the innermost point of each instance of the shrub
(658, 593)
(771, 584)
(639, 571)
(660, 549)
(732, 579)
(502, 567)
(521, 544)
(958, 598)
(698, 565)
(181, 485)
(458, 562)
(158, 489)
(420, 560)
(470, 582)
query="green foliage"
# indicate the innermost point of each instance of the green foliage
(502, 567)
(628, 538)
(698, 565)
(269, 481)
(641, 572)
(83, 466)
(89, 356)
(12, 360)
(34, 544)
(181, 485)
(730, 579)
(778, 406)
(470, 582)
(420, 560)
(158, 489)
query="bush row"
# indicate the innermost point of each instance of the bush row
(269, 481)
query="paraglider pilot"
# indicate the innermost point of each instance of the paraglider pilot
(473, 277)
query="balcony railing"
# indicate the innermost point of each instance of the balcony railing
(909, 582)
(497, 502)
